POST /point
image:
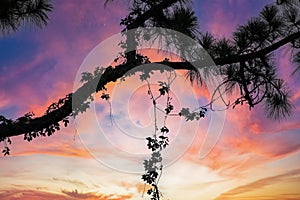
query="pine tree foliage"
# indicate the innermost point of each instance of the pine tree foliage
(14, 13)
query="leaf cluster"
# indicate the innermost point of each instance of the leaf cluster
(195, 115)
(154, 165)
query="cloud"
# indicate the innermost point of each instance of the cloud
(31, 194)
(56, 52)
(248, 140)
(221, 24)
(293, 175)
(34, 83)
(64, 195)
(92, 196)
(4, 101)
(222, 17)
(76, 195)
(73, 182)
(57, 148)
(287, 196)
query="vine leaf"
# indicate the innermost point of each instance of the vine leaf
(164, 129)
(169, 109)
(164, 88)
(66, 121)
(190, 116)
(6, 151)
(105, 96)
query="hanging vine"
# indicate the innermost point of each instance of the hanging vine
(159, 141)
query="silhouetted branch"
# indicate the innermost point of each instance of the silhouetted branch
(15, 128)
(48, 123)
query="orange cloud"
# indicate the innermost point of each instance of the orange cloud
(92, 196)
(31, 194)
(77, 183)
(65, 195)
(63, 143)
(291, 176)
(65, 150)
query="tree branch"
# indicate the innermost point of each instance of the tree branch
(257, 54)
(19, 127)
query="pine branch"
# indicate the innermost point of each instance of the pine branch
(16, 127)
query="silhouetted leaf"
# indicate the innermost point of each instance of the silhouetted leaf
(105, 96)
(164, 129)
(6, 151)
(66, 122)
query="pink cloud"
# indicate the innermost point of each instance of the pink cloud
(223, 17)
(61, 47)
(4, 101)
(222, 21)
(249, 139)
(256, 133)
(223, 27)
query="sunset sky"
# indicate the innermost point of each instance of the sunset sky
(100, 157)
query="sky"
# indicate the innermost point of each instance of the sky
(99, 155)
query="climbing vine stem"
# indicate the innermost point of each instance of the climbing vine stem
(159, 140)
